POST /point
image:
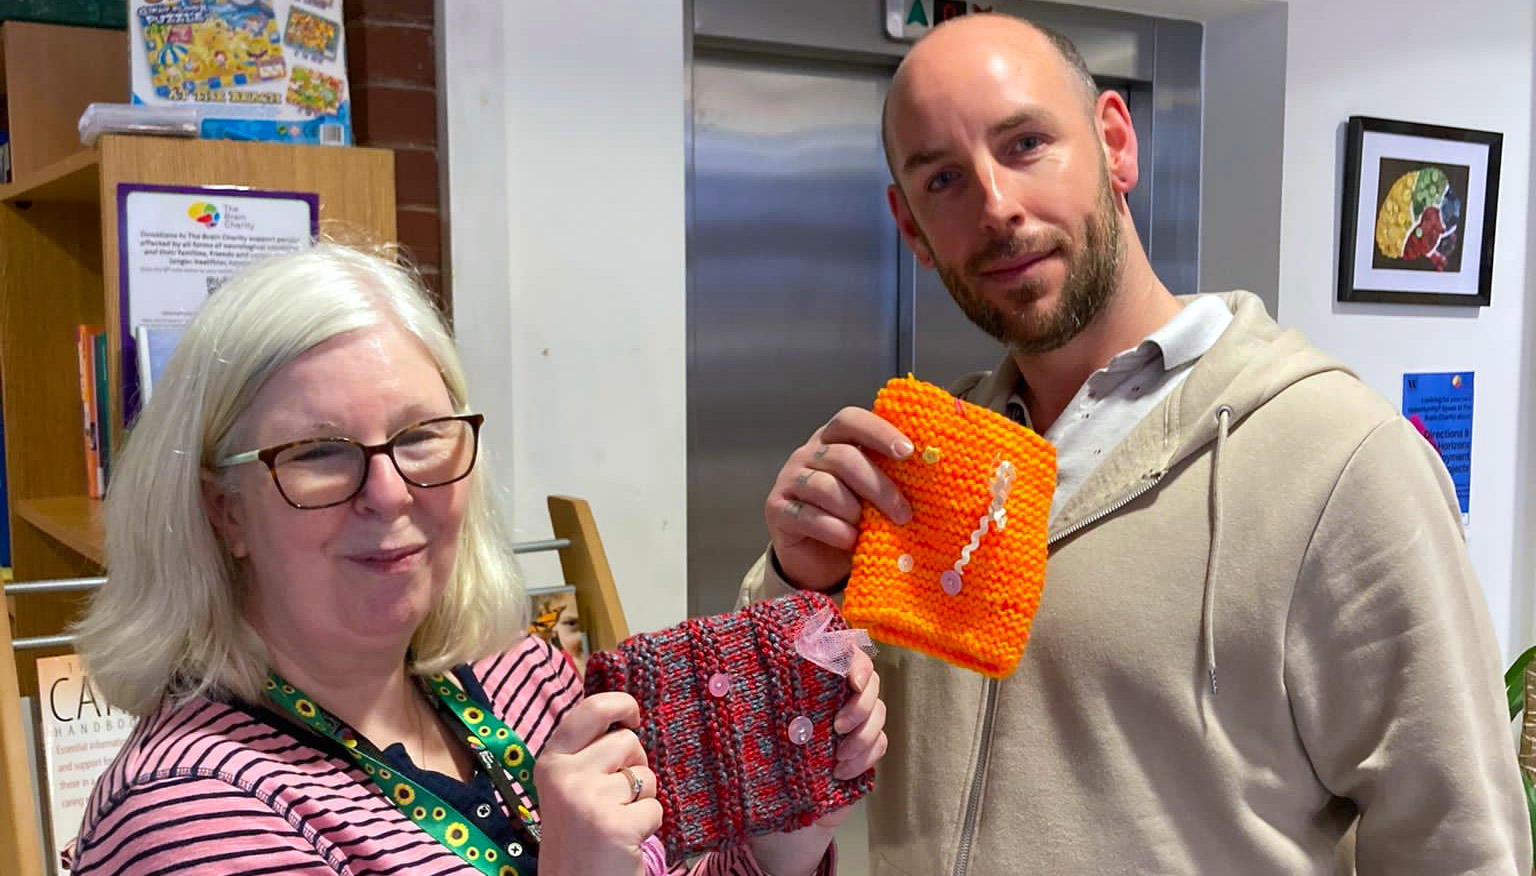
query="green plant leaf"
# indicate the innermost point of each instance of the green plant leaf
(1514, 681)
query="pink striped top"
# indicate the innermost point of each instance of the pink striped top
(217, 788)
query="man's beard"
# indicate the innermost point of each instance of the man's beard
(1093, 272)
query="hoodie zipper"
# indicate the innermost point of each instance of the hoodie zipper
(1150, 481)
(989, 709)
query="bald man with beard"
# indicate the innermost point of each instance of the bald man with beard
(1260, 626)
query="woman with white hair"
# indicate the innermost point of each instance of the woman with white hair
(316, 615)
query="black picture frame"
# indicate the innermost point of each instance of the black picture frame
(1391, 259)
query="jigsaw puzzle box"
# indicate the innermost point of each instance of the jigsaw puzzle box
(271, 70)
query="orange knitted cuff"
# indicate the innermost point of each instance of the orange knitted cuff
(961, 581)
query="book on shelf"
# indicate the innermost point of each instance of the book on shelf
(80, 734)
(153, 346)
(554, 617)
(103, 405)
(85, 351)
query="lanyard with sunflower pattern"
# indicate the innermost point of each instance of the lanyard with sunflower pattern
(497, 749)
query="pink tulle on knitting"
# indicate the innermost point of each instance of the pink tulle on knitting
(832, 650)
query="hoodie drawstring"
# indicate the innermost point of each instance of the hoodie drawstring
(1208, 609)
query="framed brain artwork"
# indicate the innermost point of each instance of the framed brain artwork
(1418, 217)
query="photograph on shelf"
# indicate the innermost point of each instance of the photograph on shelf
(554, 617)
(1419, 209)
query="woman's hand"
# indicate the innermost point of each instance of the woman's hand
(862, 723)
(593, 822)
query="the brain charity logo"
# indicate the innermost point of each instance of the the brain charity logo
(1420, 219)
(204, 214)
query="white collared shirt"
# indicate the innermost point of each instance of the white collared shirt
(1115, 398)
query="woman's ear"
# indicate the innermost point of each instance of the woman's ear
(224, 512)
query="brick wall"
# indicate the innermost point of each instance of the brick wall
(391, 61)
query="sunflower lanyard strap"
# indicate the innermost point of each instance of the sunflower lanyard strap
(496, 748)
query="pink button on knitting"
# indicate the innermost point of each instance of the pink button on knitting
(719, 684)
(951, 582)
(800, 730)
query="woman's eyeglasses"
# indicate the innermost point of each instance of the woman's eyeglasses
(321, 472)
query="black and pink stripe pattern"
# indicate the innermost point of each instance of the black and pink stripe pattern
(216, 788)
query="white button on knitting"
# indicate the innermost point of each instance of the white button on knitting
(800, 730)
(905, 563)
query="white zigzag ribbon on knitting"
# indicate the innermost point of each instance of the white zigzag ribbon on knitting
(997, 513)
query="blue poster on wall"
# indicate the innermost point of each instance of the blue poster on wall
(1439, 405)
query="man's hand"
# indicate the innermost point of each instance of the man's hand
(813, 509)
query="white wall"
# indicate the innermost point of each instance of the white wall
(1525, 473)
(1467, 65)
(566, 177)
(476, 200)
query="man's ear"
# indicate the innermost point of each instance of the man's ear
(224, 512)
(1118, 137)
(902, 213)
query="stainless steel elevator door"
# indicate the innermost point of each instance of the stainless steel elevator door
(793, 294)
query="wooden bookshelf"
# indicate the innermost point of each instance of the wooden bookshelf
(59, 266)
(21, 845)
(50, 277)
(73, 521)
(59, 269)
(49, 74)
(75, 179)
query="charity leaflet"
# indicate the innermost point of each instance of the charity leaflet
(179, 244)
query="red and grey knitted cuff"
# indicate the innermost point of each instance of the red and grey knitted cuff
(737, 725)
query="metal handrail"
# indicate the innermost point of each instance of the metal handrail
(76, 585)
(62, 585)
(34, 643)
(533, 547)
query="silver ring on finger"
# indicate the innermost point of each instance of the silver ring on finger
(635, 785)
(794, 507)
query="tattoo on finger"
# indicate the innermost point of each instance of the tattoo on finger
(804, 478)
(794, 507)
(822, 452)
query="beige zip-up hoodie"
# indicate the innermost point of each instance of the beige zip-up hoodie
(1259, 621)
